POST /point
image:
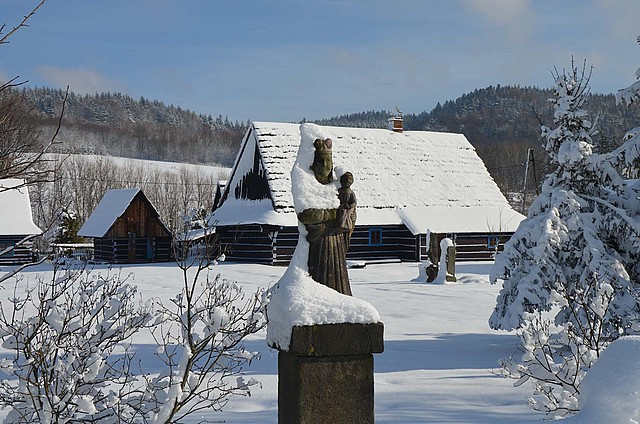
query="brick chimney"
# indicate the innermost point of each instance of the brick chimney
(395, 122)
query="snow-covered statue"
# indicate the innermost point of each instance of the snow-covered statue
(329, 229)
(315, 288)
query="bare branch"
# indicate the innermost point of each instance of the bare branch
(4, 39)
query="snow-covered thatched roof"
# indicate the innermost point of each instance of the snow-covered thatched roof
(112, 206)
(426, 180)
(15, 209)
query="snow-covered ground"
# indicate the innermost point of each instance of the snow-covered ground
(439, 351)
(154, 165)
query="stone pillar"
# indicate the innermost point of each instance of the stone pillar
(451, 264)
(327, 374)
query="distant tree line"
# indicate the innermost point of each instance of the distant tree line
(82, 181)
(501, 122)
(118, 125)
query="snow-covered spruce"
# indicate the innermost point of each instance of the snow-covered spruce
(583, 227)
(574, 257)
(297, 300)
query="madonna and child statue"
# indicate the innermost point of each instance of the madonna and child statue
(315, 289)
(313, 319)
(329, 229)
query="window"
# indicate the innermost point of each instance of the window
(375, 237)
(493, 242)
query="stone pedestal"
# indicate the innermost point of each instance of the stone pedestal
(327, 374)
(451, 264)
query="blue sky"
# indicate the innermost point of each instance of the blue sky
(283, 60)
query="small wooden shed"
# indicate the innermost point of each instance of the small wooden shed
(126, 228)
(16, 223)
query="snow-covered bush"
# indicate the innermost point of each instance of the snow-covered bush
(575, 258)
(72, 359)
(63, 336)
(200, 341)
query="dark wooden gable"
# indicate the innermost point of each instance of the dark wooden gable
(253, 185)
(220, 187)
(140, 218)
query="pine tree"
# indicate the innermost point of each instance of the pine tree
(576, 256)
(67, 230)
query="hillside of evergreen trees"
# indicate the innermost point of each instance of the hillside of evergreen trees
(116, 124)
(501, 122)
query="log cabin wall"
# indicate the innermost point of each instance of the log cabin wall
(285, 240)
(275, 245)
(18, 255)
(246, 243)
(469, 246)
(382, 242)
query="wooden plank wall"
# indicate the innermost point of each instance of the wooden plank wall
(139, 218)
(253, 185)
(397, 243)
(246, 243)
(19, 255)
(469, 247)
(285, 240)
(116, 250)
(474, 247)
(103, 250)
(163, 250)
(275, 245)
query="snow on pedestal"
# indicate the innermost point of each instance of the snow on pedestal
(298, 300)
(610, 392)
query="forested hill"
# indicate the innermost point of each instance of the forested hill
(502, 122)
(116, 124)
(500, 114)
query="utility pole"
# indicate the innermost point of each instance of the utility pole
(535, 174)
(526, 173)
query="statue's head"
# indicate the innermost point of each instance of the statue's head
(346, 180)
(322, 160)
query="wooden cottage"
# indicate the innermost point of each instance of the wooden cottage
(16, 223)
(413, 188)
(126, 228)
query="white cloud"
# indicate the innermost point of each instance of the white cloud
(79, 80)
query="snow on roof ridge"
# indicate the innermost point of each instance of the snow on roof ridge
(112, 205)
(405, 132)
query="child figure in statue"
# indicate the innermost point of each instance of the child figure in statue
(346, 215)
